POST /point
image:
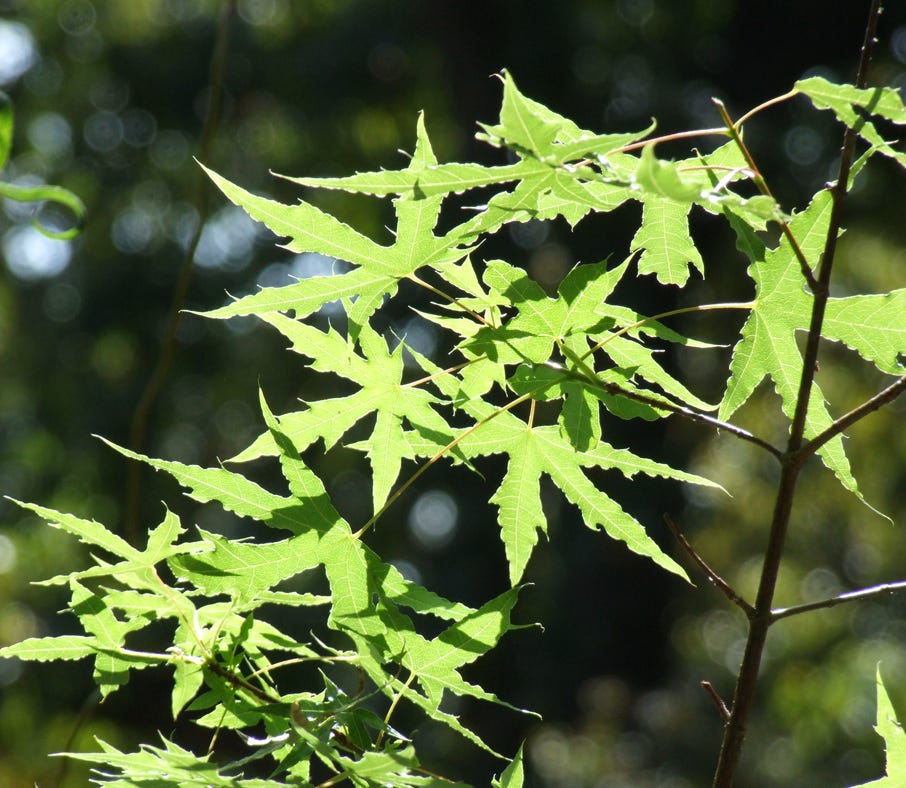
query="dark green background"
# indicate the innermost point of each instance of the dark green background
(112, 107)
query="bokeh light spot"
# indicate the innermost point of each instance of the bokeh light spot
(139, 127)
(32, 256)
(50, 134)
(103, 131)
(803, 145)
(432, 519)
(61, 303)
(113, 355)
(260, 12)
(387, 62)
(408, 570)
(45, 78)
(635, 12)
(227, 240)
(549, 264)
(898, 43)
(170, 150)
(420, 336)
(133, 231)
(7, 554)
(17, 51)
(77, 17)
(530, 234)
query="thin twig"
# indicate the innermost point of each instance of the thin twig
(718, 701)
(761, 183)
(452, 299)
(856, 414)
(433, 375)
(155, 383)
(764, 105)
(849, 596)
(393, 704)
(451, 445)
(680, 410)
(611, 336)
(716, 580)
(238, 681)
(679, 135)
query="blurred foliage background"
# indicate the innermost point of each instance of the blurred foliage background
(110, 99)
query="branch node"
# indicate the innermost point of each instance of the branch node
(880, 399)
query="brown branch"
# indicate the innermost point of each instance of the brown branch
(680, 410)
(716, 580)
(747, 678)
(142, 414)
(856, 414)
(237, 681)
(718, 701)
(850, 596)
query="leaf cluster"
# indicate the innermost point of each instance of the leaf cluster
(532, 378)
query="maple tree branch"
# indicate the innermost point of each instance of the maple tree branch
(238, 681)
(680, 410)
(763, 617)
(716, 580)
(850, 596)
(880, 399)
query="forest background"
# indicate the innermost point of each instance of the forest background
(110, 101)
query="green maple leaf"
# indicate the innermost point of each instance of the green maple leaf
(378, 268)
(167, 765)
(111, 669)
(551, 175)
(667, 248)
(668, 190)
(137, 564)
(378, 373)
(367, 595)
(544, 328)
(533, 451)
(244, 571)
(382, 632)
(851, 105)
(106, 632)
(389, 769)
(563, 170)
(50, 649)
(874, 326)
(890, 729)
(512, 776)
(564, 185)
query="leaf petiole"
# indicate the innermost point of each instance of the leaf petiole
(669, 313)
